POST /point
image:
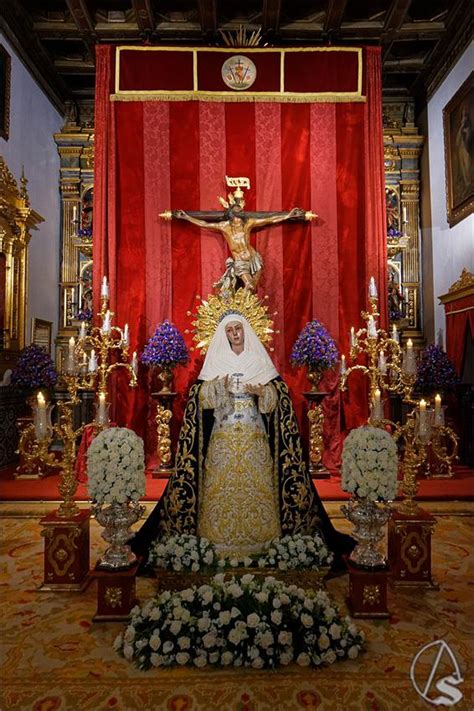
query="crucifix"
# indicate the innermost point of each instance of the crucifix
(245, 266)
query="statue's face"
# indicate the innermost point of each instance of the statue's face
(235, 334)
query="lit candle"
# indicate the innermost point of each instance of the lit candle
(106, 322)
(71, 362)
(409, 361)
(395, 335)
(126, 336)
(84, 362)
(438, 413)
(82, 331)
(353, 337)
(41, 418)
(343, 364)
(371, 328)
(423, 422)
(92, 362)
(372, 288)
(104, 289)
(135, 362)
(377, 411)
(102, 417)
(422, 405)
(382, 363)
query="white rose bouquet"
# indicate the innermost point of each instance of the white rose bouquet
(116, 466)
(241, 622)
(370, 464)
(297, 552)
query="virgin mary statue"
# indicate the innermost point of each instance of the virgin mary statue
(240, 477)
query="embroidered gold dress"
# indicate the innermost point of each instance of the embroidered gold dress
(239, 510)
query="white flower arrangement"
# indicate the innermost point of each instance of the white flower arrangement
(296, 552)
(247, 621)
(183, 552)
(187, 552)
(370, 464)
(116, 466)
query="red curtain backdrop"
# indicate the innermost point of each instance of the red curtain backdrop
(459, 326)
(156, 155)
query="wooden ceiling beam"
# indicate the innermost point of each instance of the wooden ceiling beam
(271, 11)
(334, 15)
(85, 25)
(208, 15)
(144, 16)
(395, 16)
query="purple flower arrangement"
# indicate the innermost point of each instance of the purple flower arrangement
(315, 348)
(34, 369)
(435, 371)
(84, 315)
(166, 348)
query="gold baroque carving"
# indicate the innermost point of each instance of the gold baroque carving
(113, 597)
(465, 281)
(371, 595)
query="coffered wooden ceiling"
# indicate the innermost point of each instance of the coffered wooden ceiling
(420, 39)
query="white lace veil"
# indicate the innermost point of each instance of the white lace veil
(253, 363)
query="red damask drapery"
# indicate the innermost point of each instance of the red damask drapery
(155, 155)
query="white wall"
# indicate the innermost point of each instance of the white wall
(452, 248)
(33, 120)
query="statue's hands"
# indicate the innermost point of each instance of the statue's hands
(297, 212)
(255, 389)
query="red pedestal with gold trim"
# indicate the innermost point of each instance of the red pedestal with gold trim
(367, 591)
(409, 548)
(116, 593)
(66, 551)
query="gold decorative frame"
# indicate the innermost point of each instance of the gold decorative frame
(5, 84)
(458, 120)
(41, 333)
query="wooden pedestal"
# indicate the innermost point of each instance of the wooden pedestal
(66, 551)
(367, 591)
(115, 593)
(409, 548)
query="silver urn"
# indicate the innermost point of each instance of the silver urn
(116, 519)
(368, 519)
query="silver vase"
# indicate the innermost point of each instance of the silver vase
(116, 520)
(368, 519)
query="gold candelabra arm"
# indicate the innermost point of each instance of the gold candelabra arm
(414, 457)
(34, 453)
(444, 446)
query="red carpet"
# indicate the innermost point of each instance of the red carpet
(460, 487)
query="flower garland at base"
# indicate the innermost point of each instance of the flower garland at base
(187, 552)
(245, 621)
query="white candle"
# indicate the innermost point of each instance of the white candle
(134, 362)
(106, 323)
(74, 213)
(104, 289)
(353, 337)
(395, 336)
(438, 413)
(71, 361)
(92, 362)
(377, 410)
(126, 336)
(84, 362)
(382, 363)
(372, 288)
(371, 328)
(343, 364)
(422, 405)
(102, 417)
(82, 331)
(404, 214)
(409, 361)
(41, 418)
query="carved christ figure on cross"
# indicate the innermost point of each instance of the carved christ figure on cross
(236, 226)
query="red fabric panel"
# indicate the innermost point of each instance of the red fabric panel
(375, 220)
(155, 71)
(212, 152)
(350, 166)
(157, 199)
(458, 325)
(130, 286)
(210, 70)
(312, 72)
(269, 197)
(186, 238)
(297, 272)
